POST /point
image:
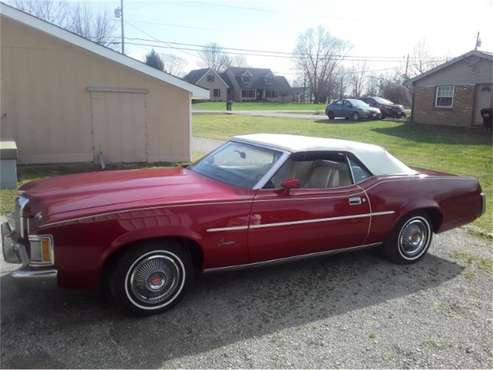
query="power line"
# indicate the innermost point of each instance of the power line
(259, 53)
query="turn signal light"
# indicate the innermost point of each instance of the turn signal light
(41, 250)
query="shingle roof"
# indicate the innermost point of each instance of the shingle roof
(482, 54)
(194, 75)
(259, 78)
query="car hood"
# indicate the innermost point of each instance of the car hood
(67, 197)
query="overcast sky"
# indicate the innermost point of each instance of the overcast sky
(382, 28)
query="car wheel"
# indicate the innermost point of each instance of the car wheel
(331, 115)
(410, 239)
(151, 277)
(383, 116)
(355, 116)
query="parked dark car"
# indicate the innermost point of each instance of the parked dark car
(388, 108)
(354, 109)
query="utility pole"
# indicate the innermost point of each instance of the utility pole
(119, 14)
(407, 67)
(478, 42)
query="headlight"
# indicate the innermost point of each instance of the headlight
(41, 250)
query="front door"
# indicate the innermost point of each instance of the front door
(484, 99)
(327, 212)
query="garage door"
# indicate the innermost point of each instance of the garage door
(119, 126)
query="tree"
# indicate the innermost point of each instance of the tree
(357, 78)
(96, 27)
(420, 59)
(154, 60)
(317, 56)
(52, 11)
(173, 64)
(213, 56)
(77, 18)
(239, 61)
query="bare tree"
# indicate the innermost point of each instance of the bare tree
(239, 61)
(173, 64)
(420, 59)
(357, 78)
(77, 18)
(50, 10)
(213, 56)
(97, 27)
(317, 56)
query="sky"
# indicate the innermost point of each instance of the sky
(377, 28)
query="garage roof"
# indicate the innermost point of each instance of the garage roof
(74, 39)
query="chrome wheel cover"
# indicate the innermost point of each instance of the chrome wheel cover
(414, 238)
(155, 279)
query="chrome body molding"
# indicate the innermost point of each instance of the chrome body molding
(291, 258)
(483, 203)
(299, 222)
(35, 274)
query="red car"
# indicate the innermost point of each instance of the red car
(255, 200)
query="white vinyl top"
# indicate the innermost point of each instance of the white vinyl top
(72, 38)
(374, 157)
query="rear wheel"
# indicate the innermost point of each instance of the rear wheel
(151, 277)
(410, 239)
(355, 116)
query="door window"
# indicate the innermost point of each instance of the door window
(314, 170)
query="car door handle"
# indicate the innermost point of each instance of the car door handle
(354, 201)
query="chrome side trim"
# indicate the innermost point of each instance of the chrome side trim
(291, 258)
(231, 228)
(309, 221)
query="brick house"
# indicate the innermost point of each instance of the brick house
(454, 93)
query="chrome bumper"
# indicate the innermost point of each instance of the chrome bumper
(15, 251)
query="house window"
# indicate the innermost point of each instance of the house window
(210, 78)
(216, 93)
(271, 94)
(248, 93)
(246, 77)
(444, 97)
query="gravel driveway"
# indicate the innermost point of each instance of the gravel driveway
(349, 310)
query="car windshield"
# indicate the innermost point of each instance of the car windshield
(382, 100)
(238, 164)
(358, 103)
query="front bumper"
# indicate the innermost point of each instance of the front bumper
(14, 250)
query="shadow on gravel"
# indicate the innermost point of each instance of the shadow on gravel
(50, 327)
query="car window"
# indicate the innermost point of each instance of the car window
(347, 103)
(314, 170)
(237, 164)
(360, 172)
(339, 102)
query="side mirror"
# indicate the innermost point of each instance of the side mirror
(289, 184)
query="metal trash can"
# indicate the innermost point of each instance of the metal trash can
(8, 165)
(487, 115)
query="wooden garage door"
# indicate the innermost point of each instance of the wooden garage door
(119, 126)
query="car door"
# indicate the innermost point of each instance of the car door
(347, 109)
(336, 108)
(324, 213)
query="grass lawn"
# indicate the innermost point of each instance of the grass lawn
(446, 149)
(259, 106)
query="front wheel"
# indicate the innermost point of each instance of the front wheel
(355, 116)
(410, 239)
(331, 115)
(151, 277)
